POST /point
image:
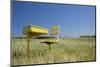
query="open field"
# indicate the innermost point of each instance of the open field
(68, 50)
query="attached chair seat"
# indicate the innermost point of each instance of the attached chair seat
(50, 41)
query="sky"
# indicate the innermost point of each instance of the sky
(74, 20)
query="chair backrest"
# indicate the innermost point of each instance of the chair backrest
(55, 31)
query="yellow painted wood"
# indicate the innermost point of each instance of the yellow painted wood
(38, 30)
(35, 30)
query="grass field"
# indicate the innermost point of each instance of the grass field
(68, 50)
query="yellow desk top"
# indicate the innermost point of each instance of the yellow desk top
(35, 30)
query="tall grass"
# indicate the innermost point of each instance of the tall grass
(68, 50)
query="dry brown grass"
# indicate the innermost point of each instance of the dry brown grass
(68, 50)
